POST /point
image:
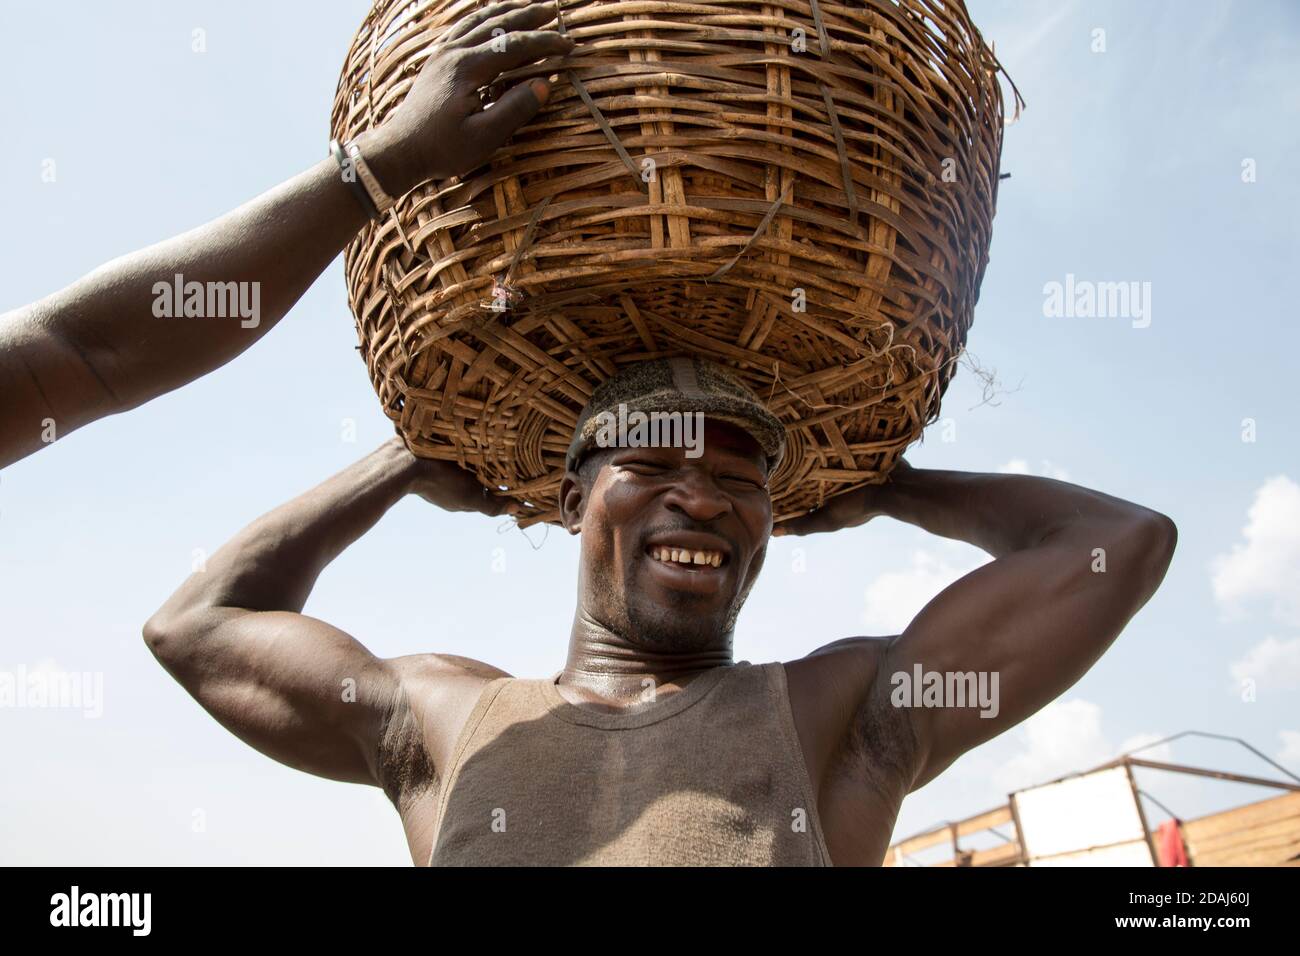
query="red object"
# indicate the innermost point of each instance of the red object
(1169, 844)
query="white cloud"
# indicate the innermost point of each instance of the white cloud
(1266, 566)
(1289, 755)
(1019, 466)
(1271, 665)
(1065, 737)
(894, 598)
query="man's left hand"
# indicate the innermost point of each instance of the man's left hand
(848, 510)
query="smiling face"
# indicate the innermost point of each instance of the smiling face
(671, 545)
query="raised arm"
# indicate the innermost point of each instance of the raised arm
(297, 689)
(97, 347)
(1072, 567)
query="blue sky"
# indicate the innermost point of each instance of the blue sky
(1127, 165)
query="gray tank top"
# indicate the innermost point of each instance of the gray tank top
(712, 775)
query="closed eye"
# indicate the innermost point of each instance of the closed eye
(640, 466)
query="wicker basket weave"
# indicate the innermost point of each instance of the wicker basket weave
(822, 179)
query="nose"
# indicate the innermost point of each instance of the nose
(697, 496)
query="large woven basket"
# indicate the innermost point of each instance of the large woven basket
(802, 191)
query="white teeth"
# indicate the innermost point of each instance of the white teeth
(700, 558)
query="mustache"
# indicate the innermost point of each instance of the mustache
(687, 526)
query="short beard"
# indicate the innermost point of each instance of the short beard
(666, 628)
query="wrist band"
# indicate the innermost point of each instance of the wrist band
(381, 200)
(352, 177)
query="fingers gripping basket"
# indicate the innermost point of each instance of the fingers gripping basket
(800, 190)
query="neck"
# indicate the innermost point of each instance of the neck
(604, 662)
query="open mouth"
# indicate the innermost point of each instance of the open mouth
(688, 559)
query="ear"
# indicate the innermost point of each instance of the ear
(572, 502)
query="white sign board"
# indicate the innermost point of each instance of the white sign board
(1089, 820)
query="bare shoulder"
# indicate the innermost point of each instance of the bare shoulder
(839, 696)
(842, 670)
(435, 695)
(827, 690)
(436, 668)
(854, 743)
(860, 648)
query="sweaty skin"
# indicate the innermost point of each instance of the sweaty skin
(1038, 615)
(96, 348)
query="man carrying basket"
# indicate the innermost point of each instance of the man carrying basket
(652, 745)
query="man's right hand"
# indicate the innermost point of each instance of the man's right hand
(441, 129)
(450, 487)
(108, 343)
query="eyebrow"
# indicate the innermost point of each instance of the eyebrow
(733, 456)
